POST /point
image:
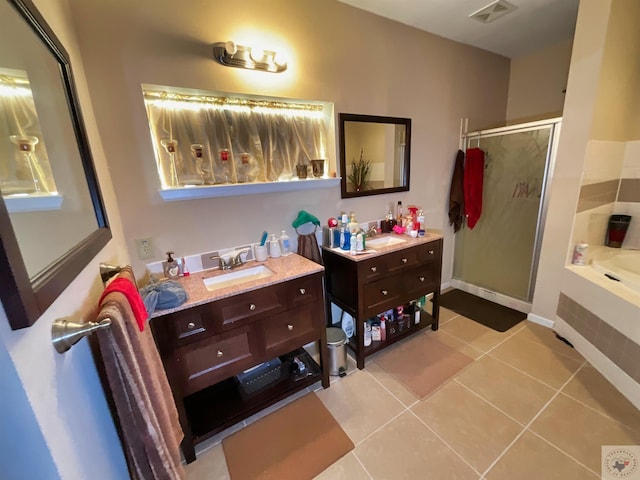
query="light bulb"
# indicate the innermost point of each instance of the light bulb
(257, 54)
(230, 47)
(280, 59)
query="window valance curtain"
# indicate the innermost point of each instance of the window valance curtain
(261, 141)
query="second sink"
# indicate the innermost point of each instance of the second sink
(237, 277)
(384, 241)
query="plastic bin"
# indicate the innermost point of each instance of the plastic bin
(336, 343)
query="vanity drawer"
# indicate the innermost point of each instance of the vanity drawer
(304, 290)
(248, 307)
(431, 254)
(382, 295)
(213, 359)
(421, 280)
(372, 269)
(283, 332)
(189, 325)
(402, 260)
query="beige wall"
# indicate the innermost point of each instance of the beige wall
(537, 83)
(363, 63)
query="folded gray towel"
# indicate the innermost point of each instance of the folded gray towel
(163, 295)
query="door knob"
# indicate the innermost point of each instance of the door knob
(384, 292)
(190, 325)
(289, 327)
(421, 279)
(302, 291)
(252, 307)
(219, 354)
(373, 269)
(404, 260)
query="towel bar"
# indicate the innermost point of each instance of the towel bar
(65, 334)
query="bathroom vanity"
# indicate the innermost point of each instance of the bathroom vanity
(396, 271)
(237, 323)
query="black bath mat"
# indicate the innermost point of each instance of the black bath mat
(492, 315)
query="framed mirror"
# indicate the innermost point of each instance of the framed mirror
(52, 217)
(374, 154)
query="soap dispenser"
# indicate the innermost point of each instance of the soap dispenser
(171, 268)
(274, 246)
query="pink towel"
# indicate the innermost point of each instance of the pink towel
(473, 178)
(130, 291)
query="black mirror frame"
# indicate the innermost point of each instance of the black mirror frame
(24, 299)
(354, 117)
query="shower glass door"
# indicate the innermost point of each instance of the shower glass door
(500, 253)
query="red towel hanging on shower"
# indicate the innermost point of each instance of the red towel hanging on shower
(473, 178)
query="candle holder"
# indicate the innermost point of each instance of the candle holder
(224, 159)
(171, 147)
(27, 162)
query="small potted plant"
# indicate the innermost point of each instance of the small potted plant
(360, 170)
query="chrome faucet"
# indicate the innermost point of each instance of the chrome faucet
(231, 262)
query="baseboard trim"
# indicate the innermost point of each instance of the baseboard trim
(494, 297)
(545, 322)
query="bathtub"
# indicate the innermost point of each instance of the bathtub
(619, 265)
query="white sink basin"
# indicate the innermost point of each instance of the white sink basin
(384, 241)
(235, 278)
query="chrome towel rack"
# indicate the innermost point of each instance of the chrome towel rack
(65, 333)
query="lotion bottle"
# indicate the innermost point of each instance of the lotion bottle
(274, 247)
(284, 243)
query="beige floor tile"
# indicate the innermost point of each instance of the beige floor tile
(406, 396)
(347, 468)
(580, 431)
(473, 333)
(590, 387)
(456, 343)
(446, 315)
(537, 360)
(531, 458)
(360, 404)
(406, 449)
(468, 424)
(513, 392)
(211, 465)
(546, 336)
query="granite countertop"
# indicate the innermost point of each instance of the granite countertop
(284, 268)
(377, 250)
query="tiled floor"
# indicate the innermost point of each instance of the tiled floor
(528, 407)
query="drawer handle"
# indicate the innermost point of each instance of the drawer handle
(219, 354)
(431, 252)
(190, 325)
(421, 279)
(302, 291)
(252, 306)
(384, 292)
(289, 327)
(374, 269)
(404, 260)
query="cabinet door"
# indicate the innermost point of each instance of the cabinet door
(213, 359)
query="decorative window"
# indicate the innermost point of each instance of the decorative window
(213, 140)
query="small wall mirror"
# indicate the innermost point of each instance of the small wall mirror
(52, 220)
(374, 154)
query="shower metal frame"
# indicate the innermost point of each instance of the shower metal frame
(555, 124)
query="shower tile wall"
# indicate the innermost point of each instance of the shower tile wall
(610, 184)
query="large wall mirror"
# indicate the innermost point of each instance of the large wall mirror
(52, 219)
(374, 154)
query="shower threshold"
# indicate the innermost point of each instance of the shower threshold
(495, 297)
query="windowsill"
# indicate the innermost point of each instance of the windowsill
(198, 191)
(35, 202)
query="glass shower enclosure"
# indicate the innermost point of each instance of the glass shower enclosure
(498, 258)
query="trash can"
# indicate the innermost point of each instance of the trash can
(336, 343)
(616, 230)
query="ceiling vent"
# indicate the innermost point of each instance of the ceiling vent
(492, 11)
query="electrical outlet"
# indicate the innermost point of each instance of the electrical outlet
(144, 247)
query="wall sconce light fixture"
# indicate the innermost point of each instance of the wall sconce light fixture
(253, 58)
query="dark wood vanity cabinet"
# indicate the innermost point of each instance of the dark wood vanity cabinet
(204, 347)
(367, 286)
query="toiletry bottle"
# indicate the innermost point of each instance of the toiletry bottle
(284, 243)
(274, 246)
(185, 269)
(359, 242)
(399, 213)
(353, 225)
(420, 220)
(171, 268)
